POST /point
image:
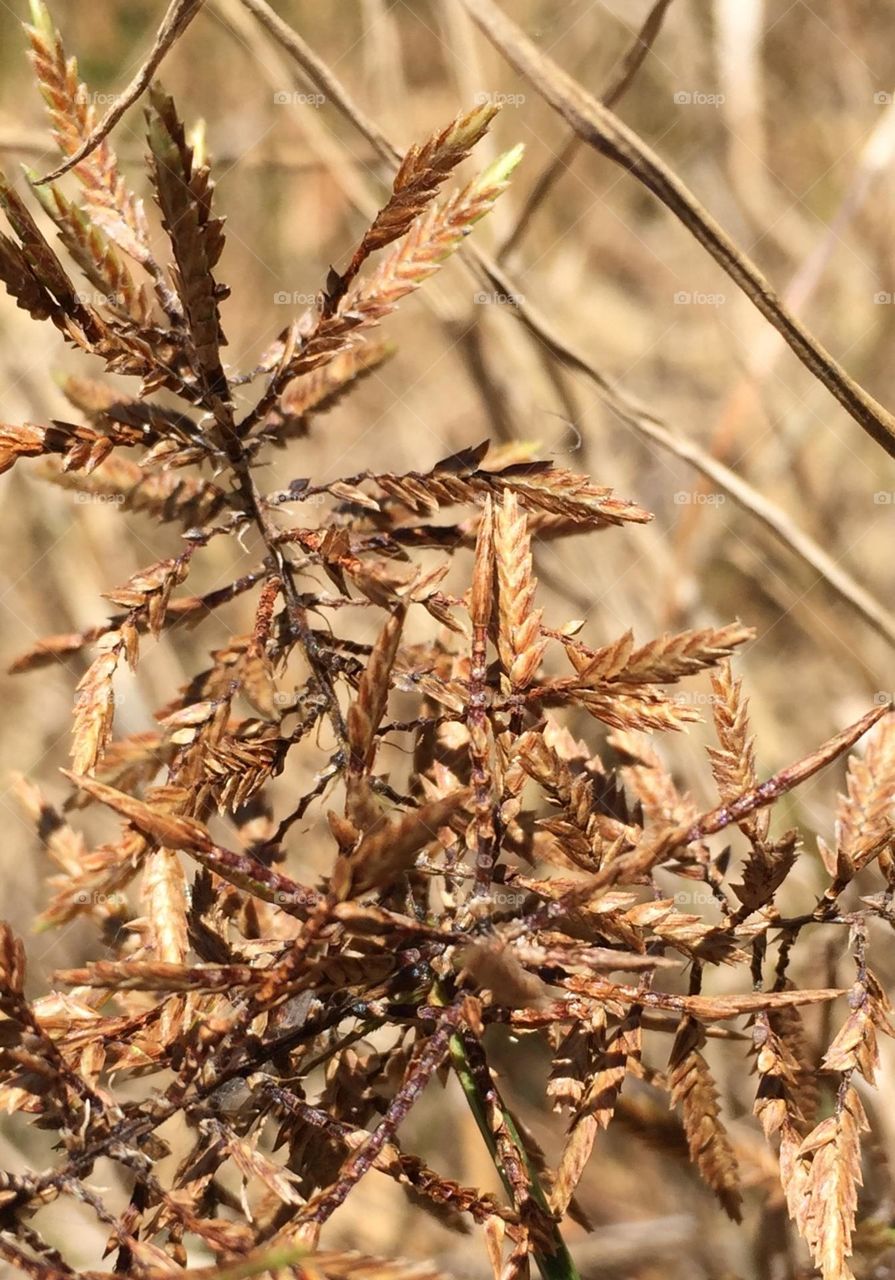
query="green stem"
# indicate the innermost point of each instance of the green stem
(274, 1258)
(556, 1264)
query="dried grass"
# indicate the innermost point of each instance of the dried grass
(263, 1013)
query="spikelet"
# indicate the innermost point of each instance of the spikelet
(155, 821)
(432, 239)
(151, 588)
(97, 257)
(390, 847)
(367, 710)
(184, 193)
(519, 626)
(661, 661)
(95, 705)
(238, 765)
(864, 822)
(435, 235)
(692, 1089)
(733, 760)
(777, 1098)
(539, 487)
(364, 717)
(189, 500)
(855, 1046)
(37, 262)
(613, 1059)
(423, 170)
(733, 766)
(828, 1187)
(22, 284)
(587, 829)
(71, 111)
(322, 389)
(26, 441)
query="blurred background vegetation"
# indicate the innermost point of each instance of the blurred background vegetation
(779, 116)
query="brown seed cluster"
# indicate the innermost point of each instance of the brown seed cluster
(286, 1000)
